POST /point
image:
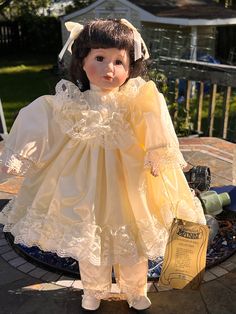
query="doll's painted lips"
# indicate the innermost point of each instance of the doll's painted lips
(108, 78)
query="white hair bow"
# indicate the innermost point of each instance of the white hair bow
(74, 29)
(138, 41)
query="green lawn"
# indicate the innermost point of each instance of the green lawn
(24, 79)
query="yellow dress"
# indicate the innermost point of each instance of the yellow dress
(88, 192)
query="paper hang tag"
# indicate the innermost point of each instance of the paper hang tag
(185, 256)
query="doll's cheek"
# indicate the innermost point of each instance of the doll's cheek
(90, 71)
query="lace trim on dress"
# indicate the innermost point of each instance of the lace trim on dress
(133, 294)
(99, 294)
(70, 97)
(15, 164)
(92, 115)
(128, 293)
(153, 237)
(163, 158)
(4, 214)
(84, 241)
(131, 88)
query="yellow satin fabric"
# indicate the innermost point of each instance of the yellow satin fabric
(87, 193)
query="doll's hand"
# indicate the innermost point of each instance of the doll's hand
(154, 171)
(4, 175)
(151, 166)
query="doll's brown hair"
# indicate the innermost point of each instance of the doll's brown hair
(96, 34)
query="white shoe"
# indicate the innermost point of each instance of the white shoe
(142, 303)
(90, 303)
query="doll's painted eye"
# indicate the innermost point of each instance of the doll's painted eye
(118, 62)
(99, 58)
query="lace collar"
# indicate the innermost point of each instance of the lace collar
(72, 91)
(96, 89)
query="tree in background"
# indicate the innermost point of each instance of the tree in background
(26, 25)
(12, 9)
(77, 5)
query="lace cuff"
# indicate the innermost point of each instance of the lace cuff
(98, 294)
(163, 158)
(13, 163)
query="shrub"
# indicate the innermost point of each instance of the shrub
(40, 34)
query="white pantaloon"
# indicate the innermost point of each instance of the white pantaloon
(97, 280)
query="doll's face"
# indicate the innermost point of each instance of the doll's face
(107, 68)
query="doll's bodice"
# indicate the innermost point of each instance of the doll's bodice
(95, 116)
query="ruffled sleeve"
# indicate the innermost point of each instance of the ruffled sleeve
(33, 139)
(154, 129)
(168, 189)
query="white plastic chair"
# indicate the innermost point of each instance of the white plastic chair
(3, 126)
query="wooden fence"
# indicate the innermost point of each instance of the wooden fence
(10, 37)
(220, 79)
(35, 34)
